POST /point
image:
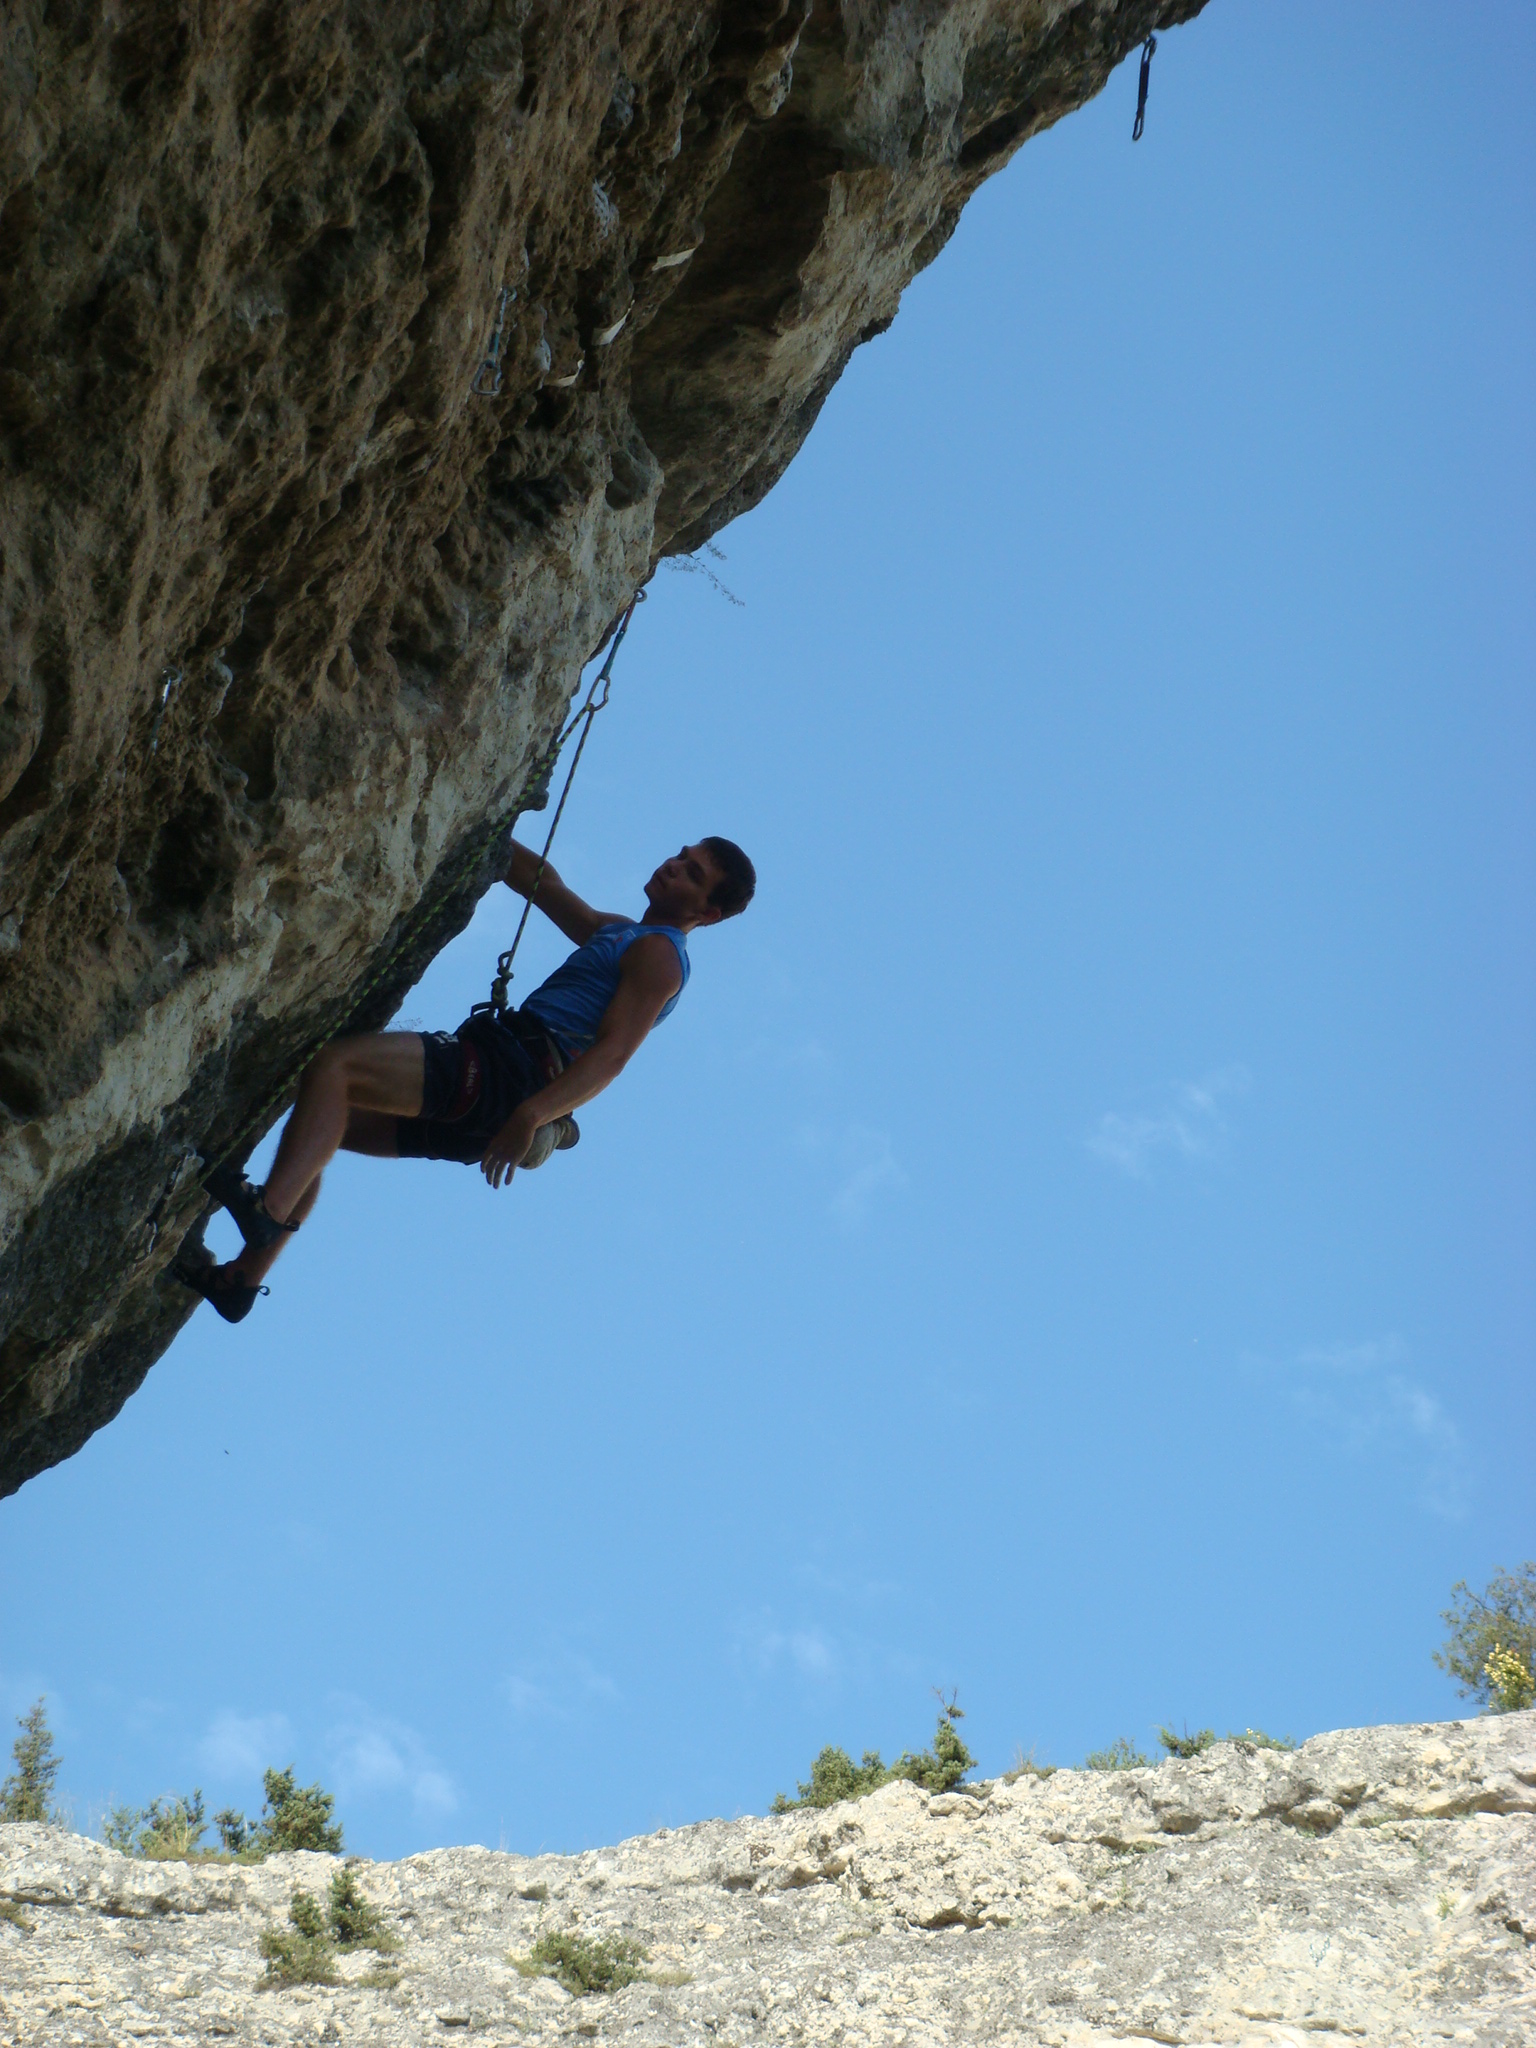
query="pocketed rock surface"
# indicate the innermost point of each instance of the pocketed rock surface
(289, 609)
(1378, 1885)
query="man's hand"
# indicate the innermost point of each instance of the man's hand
(561, 905)
(509, 1148)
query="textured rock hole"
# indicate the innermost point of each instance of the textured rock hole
(248, 743)
(18, 226)
(194, 854)
(23, 1087)
(134, 60)
(42, 725)
(630, 482)
(22, 713)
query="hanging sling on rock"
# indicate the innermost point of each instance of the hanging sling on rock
(499, 1092)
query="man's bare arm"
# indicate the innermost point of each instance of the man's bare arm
(560, 904)
(649, 977)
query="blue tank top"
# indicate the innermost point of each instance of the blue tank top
(571, 1003)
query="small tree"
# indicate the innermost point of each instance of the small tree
(355, 1922)
(1491, 1648)
(27, 1793)
(292, 1817)
(307, 1955)
(236, 1833)
(296, 1816)
(941, 1768)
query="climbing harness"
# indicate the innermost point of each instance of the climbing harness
(597, 697)
(1147, 49)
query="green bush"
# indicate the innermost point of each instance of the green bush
(1025, 1767)
(292, 1817)
(28, 1792)
(167, 1830)
(306, 1955)
(835, 1776)
(1491, 1648)
(1121, 1755)
(354, 1922)
(1186, 1745)
(1260, 1740)
(583, 1965)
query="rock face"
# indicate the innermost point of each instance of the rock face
(293, 592)
(1378, 1885)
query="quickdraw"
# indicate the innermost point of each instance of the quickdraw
(1147, 49)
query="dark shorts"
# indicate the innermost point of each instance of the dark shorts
(475, 1077)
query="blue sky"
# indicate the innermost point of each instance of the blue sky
(1074, 1240)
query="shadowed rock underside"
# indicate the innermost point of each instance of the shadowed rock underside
(287, 613)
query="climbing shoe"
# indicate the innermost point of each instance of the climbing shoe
(231, 1296)
(232, 1191)
(558, 1136)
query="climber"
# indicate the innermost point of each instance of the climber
(498, 1093)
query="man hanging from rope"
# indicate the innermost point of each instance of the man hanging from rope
(498, 1093)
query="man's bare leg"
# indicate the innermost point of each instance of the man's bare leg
(353, 1093)
(383, 1072)
(368, 1130)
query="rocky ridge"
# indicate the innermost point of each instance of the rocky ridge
(357, 362)
(1378, 1885)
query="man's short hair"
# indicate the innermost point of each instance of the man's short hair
(738, 878)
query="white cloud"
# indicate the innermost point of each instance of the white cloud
(244, 1745)
(875, 1170)
(807, 1649)
(809, 1652)
(1191, 1126)
(847, 1585)
(796, 1055)
(18, 1695)
(557, 1686)
(865, 1162)
(1359, 1395)
(373, 1756)
(433, 1793)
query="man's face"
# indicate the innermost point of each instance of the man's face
(680, 888)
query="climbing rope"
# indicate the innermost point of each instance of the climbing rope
(597, 698)
(1147, 49)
